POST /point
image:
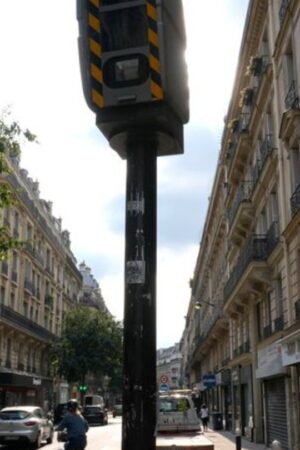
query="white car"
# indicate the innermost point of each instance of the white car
(177, 412)
(25, 424)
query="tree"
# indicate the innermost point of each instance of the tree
(11, 135)
(90, 343)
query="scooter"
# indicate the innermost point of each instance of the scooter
(62, 437)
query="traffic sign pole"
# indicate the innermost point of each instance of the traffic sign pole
(139, 389)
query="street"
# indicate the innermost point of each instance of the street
(106, 437)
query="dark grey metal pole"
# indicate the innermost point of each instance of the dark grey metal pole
(139, 389)
(238, 442)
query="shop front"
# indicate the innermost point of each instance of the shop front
(16, 389)
(273, 376)
(241, 377)
(290, 356)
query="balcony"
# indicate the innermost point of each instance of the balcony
(238, 147)
(278, 324)
(295, 201)
(283, 9)
(241, 204)
(292, 98)
(256, 249)
(28, 286)
(14, 318)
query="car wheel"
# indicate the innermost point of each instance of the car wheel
(50, 438)
(38, 442)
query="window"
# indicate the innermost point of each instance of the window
(2, 295)
(279, 296)
(295, 167)
(29, 232)
(25, 309)
(125, 28)
(12, 300)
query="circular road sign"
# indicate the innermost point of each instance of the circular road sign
(164, 379)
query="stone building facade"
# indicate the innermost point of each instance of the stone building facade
(91, 295)
(169, 367)
(38, 284)
(242, 335)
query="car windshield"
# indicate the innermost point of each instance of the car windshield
(91, 410)
(170, 404)
(14, 415)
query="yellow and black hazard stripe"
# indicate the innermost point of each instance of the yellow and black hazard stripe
(95, 50)
(155, 71)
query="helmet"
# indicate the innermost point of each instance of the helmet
(72, 405)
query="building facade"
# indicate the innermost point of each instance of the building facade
(39, 282)
(90, 294)
(169, 367)
(242, 335)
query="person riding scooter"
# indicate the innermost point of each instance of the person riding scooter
(76, 427)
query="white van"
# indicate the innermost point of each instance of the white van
(93, 400)
(177, 412)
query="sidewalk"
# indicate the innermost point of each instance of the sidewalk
(224, 440)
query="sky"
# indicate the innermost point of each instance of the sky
(80, 173)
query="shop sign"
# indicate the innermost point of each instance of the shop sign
(269, 361)
(36, 381)
(235, 375)
(209, 380)
(290, 351)
(219, 378)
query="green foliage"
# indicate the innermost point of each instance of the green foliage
(11, 136)
(91, 342)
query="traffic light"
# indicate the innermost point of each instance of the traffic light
(133, 68)
(82, 388)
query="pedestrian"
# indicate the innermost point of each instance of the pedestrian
(76, 427)
(204, 416)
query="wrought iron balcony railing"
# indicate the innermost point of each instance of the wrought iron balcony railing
(12, 316)
(295, 201)
(256, 249)
(292, 98)
(243, 195)
(28, 285)
(283, 9)
(272, 237)
(278, 323)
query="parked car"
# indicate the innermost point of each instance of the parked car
(177, 412)
(59, 412)
(95, 415)
(25, 424)
(117, 409)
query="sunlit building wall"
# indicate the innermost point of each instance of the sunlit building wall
(244, 345)
(39, 282)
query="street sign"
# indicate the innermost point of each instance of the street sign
(164, 387)
(164, 379)
(209, 380)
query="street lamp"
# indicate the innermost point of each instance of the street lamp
(199, 304)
